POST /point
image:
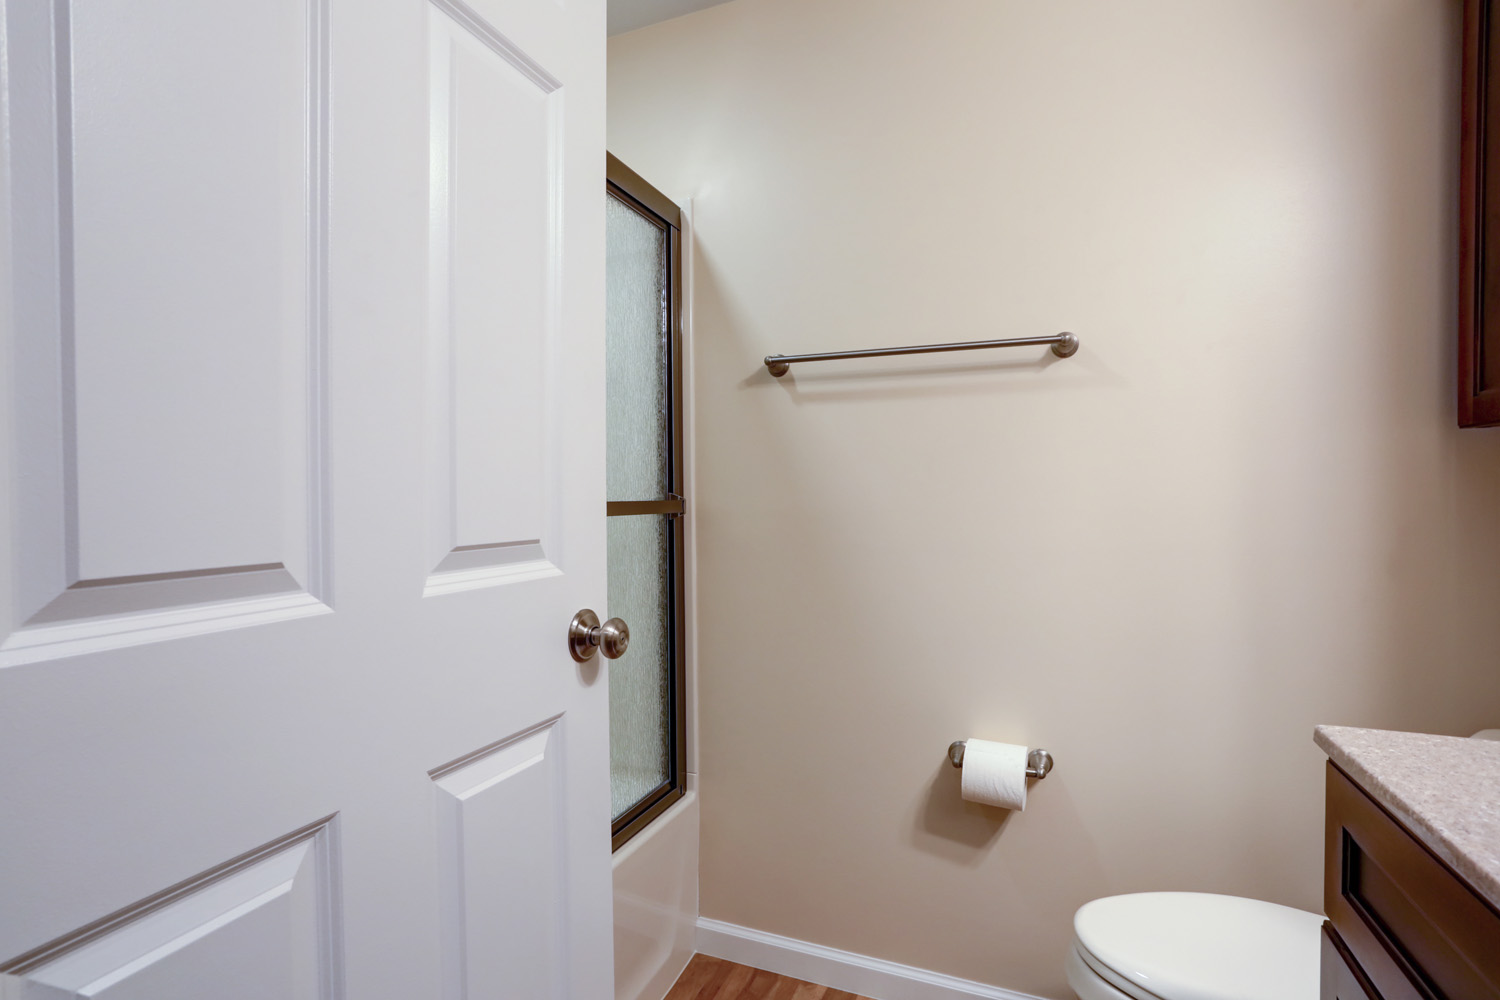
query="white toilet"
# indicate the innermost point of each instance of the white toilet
(1193, 946)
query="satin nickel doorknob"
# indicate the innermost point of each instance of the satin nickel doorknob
(585, 635)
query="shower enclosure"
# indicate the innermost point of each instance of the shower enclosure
(645, 493)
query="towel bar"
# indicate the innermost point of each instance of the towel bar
(1064, 345)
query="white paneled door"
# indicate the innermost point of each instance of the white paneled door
(303, 480)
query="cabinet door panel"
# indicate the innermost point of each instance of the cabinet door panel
(1341, 979)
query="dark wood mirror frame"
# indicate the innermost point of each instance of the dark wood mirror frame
(1479, 221)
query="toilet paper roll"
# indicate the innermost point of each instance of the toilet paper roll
(995, 774)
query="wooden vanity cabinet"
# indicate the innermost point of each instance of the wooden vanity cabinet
(1401, 924)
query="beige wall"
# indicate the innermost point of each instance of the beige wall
(1242, 509)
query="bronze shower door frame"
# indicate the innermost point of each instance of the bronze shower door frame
(636, 193)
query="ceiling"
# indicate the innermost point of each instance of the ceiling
(627, 15)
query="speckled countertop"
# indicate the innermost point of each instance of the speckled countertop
(1444, 788)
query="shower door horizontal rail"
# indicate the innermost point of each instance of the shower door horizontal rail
(1064, 345)
(673, 506)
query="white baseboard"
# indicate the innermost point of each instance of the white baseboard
(841, 970)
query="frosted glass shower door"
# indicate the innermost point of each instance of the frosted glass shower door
(639, 695)
(643, 480)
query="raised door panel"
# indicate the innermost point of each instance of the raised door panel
(493, 279)
(165, 441)
(500, 832)
(263, 925)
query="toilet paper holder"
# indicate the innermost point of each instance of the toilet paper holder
(1038, 762)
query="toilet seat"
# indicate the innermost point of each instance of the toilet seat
(1193, 946)
(1088, 981)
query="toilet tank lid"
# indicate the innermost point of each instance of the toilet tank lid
(1200, 946)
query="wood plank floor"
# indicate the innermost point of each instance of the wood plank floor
(715, 979)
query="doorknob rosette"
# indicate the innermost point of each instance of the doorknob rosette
(585, 635)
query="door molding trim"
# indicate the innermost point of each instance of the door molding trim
(841, 970)
(76, 638)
